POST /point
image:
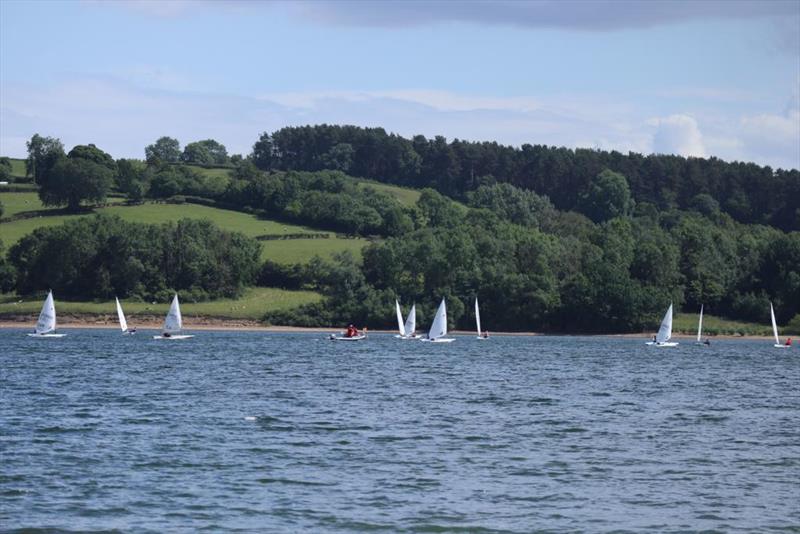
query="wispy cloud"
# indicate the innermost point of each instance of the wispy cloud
(592, 15)
(123, 117)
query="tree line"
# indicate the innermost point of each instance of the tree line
(747, 192)
(103, 256)
(612, 262)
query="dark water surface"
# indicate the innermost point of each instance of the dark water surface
(290, 432)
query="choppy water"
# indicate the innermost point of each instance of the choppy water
(284, 433)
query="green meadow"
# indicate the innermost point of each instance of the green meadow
(686, 323)
(407, 197)
(279, 250)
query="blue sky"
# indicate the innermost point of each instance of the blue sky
(692, 78)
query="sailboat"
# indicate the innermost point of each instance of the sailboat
(46, 325)
(478, 321)
(662, 339)
(700, 330)
(173, 322)
(775, 329)
(439, 327)
(123, 324)
(407, 329)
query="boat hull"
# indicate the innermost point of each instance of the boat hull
(46, 335)
(173, 337)
(665, 344)
(342, 338)
(439, 340)
(776, 346)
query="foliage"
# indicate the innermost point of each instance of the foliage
(608, 196)
(43, 152)
(164, 150)
(103, 256)
(73, 180)
(207, 152)
(7, 273)
(747, 192)
(5, 169)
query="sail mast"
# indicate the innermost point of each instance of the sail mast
(774, 324)
(700, 324)
(477, 317)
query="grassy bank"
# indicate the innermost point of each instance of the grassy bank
(686, 323)
(252, 305)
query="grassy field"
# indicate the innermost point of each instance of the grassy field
(214, 173)
(283, 251)
(686, 323)
(406, 197)
(253, 305)
(17, 168)
(302, 250)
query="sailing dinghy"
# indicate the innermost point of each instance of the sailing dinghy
(700, 330)
(478, 321)
(775, 330)
(438, 329)
(123, 324)
(173, 322)
(407, 329)
(46, 325)
(662, 339)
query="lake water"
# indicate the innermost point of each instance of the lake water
(245, 431)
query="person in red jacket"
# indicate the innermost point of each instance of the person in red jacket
(789, 342)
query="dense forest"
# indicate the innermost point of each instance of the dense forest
(549, 239)
(749, 193)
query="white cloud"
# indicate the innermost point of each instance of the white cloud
(123, 118)
(678, 134)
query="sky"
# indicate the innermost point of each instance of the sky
(701, 78)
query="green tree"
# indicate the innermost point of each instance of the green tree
(339, 157)
(165, 149)
(75, 180)
(263, 155)
(608, 196)
(131, 179)
(207, 152)
(5, 169)
(7, 272)
(43, 152)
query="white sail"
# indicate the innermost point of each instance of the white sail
(700, 325)
(774, 324)
(477, 317)
(439, 326)
(665, 330)
(400, 325)
(174, 322)
(123, 324)
(47, 317)
(411, 321)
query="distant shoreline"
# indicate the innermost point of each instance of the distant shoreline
(245, 325)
